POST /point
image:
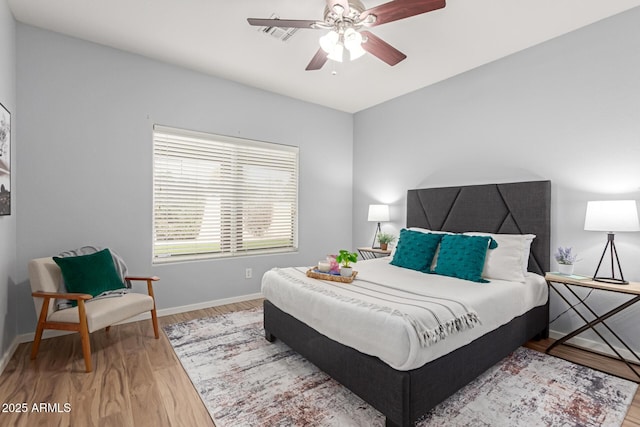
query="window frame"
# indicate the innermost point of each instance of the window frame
(239, 164)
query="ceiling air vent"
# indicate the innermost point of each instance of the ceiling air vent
(282, 34)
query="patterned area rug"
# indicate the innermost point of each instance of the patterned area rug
(246, 381)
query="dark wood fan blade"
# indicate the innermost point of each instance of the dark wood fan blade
(318, 60)
(383, 50)
(400, 9)
(343, 3)
(282, 23)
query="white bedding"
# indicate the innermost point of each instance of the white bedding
(388, 333)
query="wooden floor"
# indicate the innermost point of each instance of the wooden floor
(137, 380)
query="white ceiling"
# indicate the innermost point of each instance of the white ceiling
(213, 37)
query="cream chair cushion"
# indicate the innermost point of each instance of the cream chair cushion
(106, 311)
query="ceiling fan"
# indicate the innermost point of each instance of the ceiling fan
(347, 21)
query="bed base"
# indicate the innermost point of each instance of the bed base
(403, 397)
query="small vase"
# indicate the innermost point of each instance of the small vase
(383, 246)
(565, 269)
(346, 271)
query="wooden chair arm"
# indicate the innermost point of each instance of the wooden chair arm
(58, 295)
(148, 279)
(144, 278)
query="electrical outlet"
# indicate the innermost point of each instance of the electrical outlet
(248, 273)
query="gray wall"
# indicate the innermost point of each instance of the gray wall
(567, 110)
(8, 223)
(85, 164)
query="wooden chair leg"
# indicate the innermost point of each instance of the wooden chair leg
(41, 320)
(84, 336)
(154, 315)
(154, 320)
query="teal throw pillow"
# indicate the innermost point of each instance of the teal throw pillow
(90, 274)
(463, 256)
(416, 250)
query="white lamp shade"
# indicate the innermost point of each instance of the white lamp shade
(352, 38)
(329, 41)
(356, 52)
(612, 215)
(337, 53)
(378, 213)
(353, 43)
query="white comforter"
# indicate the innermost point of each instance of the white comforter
(379, 328)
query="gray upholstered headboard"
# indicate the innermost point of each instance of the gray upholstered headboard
(513, 208)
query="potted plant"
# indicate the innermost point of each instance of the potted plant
(565, 259)
(345, 258)
(385, 239)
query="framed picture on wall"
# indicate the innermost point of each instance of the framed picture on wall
(5, 161)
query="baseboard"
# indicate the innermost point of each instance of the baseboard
(596, 346)
(4, 361)
(50, 333)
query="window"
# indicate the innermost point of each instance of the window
(218, 196)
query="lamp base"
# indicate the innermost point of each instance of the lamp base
(375, 238)
(610, 280)
(613, 252)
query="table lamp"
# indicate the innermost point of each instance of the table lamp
(378, 213)
(611, 216)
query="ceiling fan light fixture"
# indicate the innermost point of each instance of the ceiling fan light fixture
(356, 52)
(369, 20)
(353, 43)
(352, 38)
(329, 41)
(337, 53)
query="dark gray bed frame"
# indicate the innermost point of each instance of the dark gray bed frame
(403, 397)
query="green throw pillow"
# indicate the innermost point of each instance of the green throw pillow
(463, 256)
(416, 250)
(90, 274)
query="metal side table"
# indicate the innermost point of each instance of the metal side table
(632, 290)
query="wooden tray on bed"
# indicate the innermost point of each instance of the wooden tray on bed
(313, 272)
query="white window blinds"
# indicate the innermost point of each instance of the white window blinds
(221, 196)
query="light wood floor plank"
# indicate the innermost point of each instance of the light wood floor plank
(184, 408)
(138, 380)
(145, 397)
(633, 415)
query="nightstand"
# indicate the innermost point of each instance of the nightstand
(371, 253)
(632, 290)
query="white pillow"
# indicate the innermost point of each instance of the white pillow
(510, 259)
(421, 230)
(426, 230)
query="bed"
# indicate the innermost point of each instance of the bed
(403, 394)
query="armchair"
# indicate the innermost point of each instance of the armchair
(45, 277)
